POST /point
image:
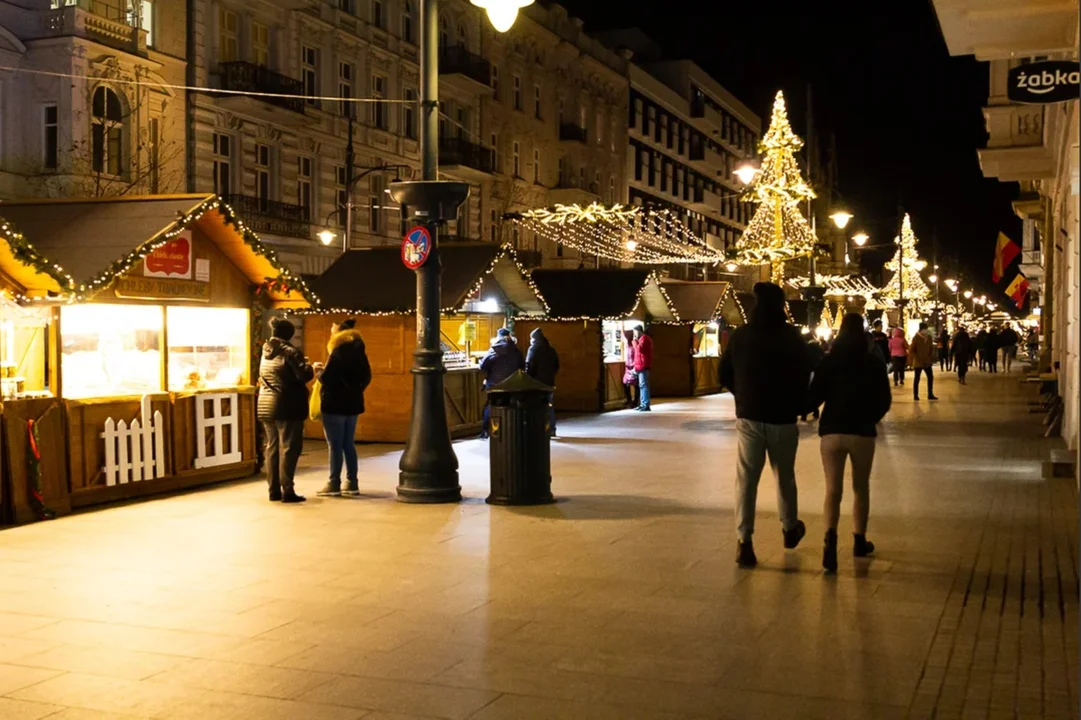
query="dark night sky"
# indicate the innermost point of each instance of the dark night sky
(906, 116)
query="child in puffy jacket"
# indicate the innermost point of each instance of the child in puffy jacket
(898, 356)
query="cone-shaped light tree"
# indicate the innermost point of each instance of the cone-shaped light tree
(778, 231)
(906, 287)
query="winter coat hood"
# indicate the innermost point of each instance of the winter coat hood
(342, 337)
(537, 337)
(275, 347)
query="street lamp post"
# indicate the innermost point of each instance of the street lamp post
(428, 469)
(326, 235)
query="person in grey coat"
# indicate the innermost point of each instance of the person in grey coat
(282, 407)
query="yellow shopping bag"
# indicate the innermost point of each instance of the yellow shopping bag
(315, 402)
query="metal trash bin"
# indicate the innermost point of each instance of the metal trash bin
(519, 451)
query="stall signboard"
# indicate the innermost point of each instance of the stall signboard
(1045, 82)
(171, 260)
(416, 246)
(154, 288)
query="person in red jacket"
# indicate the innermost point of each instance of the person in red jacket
(643, 362)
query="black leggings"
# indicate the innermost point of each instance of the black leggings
(930, 372)
(898, 369)
(962, 369)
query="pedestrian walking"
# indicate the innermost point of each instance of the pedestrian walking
(943, 347)
(767, 369)
(282, 407)
(630, 377)
(991, 348)
(898, 356)
(1008, 340)
(856, 395)
(882, 342)
(981, 348)
(963, 350)
(922, 353)
(1032, 345)
(502, 360)
(542, 364)
(643, 363)
(342, 382)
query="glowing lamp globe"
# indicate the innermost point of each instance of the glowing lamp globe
(933, 278)
(502, 13)
(631, 245)
(745, 173)
(326, 236)
(860, 239)
(841, 218)
(730, 267)
(968, 294)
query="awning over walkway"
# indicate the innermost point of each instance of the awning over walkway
(374, 280)
(75, 248)
(704, 301)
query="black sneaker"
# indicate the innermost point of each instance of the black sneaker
(829, 552)
(793, 536)
(275, 496)
(861, 546)
(932, 397)
(292, 498)
(745, 554)
(331, 489)
(916, 398)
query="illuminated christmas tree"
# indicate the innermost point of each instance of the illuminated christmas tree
(906, 265)
(778, 231)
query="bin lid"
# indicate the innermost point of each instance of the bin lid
(520, 382)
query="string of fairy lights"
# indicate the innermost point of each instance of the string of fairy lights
(630, 234)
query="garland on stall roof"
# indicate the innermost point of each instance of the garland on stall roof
(28, 255)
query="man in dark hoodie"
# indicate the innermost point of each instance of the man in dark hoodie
(503, 360)
(542, 364)
(343, 381)
(282, 408)
(767, 369)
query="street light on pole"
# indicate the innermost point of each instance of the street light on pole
(428, 469)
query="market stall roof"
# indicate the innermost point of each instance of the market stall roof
(75, 247)
(603, 294)
(374, 280)
(704, 301)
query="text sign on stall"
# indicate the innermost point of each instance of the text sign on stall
(171, 260)
(137, 288)
(1039, 83)
(416, 247)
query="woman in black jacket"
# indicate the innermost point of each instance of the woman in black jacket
(852, 383)
(344, 379)
(282, 407)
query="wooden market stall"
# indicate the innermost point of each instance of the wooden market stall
(686, 351)
(133, 350)
(482, 286)
(588, 310)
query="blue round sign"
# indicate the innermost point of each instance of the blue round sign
(416, 246)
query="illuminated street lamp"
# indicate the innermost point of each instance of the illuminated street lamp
(933, 278)
(841, 218)
(631, 245)
(502, 13)
(746, 173)
(860, 239)
(968, 294)
(327, 236)
(731, 266)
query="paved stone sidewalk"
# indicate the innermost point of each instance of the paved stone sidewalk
(620, 602)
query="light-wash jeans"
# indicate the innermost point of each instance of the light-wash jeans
(643, 388)
(756, 440)
(340, 432)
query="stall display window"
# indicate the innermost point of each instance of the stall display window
(110, 350)
(707, 340)
(24, 337)
(209, 348)
(613, 338)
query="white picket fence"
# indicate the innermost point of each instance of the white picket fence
(135, 452)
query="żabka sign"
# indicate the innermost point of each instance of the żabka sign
(1044, 82)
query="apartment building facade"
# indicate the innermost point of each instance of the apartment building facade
(89, 111)
(555, 120)
(686, 137)
(1036, 145)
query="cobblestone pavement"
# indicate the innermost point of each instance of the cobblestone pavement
(619, 602)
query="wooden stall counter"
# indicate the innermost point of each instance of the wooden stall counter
(47, 414)
(614, 397)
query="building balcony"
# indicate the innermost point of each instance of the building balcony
(272, 217)
(708, 158)
(248, 77)
(1032, 264)
(470, 160)
(97, 21)
(572, 132)
(1016, 149)
(705, 201)
(470, 67)
(567, 192)
(708, 116)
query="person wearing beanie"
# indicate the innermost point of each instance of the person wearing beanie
(343, 381)
(767, 368)
(542, 364)
(502, 360)
(282, 407)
